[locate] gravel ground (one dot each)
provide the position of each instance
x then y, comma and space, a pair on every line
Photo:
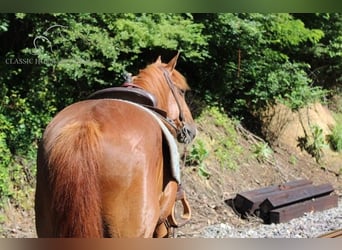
310, 225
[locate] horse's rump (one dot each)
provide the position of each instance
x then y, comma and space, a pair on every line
89, 163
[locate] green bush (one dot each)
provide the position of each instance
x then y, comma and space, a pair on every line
222, 140
198, 153
5, 160
247, 76
17, 173
313, 143
335, 138
262, 152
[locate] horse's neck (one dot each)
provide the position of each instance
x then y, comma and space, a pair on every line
153, 86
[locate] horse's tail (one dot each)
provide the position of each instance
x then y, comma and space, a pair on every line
74, 159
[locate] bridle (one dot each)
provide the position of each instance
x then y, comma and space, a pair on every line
173, 91
182, 132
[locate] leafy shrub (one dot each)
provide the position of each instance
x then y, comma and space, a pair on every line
222, 139
5, 159
335, 139
250, 76
285, 82
197, 154
228, 148
313, 143
17, 172
262, 152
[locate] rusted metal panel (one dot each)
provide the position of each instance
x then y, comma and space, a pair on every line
287, 213
288, 197
248, 202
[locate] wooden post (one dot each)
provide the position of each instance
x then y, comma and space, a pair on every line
248, 202
287, 213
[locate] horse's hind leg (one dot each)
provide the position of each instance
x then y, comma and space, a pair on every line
130, 203
127, 216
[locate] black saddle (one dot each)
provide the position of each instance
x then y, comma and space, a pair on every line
135, 95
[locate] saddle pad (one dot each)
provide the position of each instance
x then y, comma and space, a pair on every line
174, 154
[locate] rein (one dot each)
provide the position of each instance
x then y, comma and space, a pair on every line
183, 134
171, 86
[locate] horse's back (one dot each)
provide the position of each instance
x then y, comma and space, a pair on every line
88, 146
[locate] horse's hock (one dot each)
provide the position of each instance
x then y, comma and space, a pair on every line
281, 125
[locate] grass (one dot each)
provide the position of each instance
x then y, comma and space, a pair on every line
217, 139
293, 160
262, 152
335, 138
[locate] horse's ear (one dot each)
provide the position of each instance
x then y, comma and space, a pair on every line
158, 60
172, 63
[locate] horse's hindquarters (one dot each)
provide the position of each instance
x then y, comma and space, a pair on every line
100, 164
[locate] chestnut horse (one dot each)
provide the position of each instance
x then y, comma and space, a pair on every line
102, 168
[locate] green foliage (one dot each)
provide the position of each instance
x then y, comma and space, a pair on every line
262, 152
325, 57
225, 146
5, 159
291, 32
259, 73
198, 153
227, 153
293, 160
286, 83
313, 143
171, 31
16, 176
335, 138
